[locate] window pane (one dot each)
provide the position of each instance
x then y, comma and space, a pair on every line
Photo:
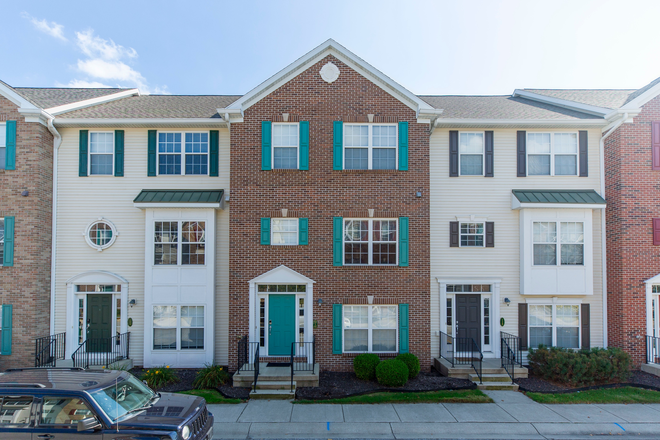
356, 230
100, 234
356, 158
568, 337
384, 136
384, 230
15, 410
197, 142
486, 321
166, 239
568, 315
383, 317
538, 165
101, 143
192, 339
384, 159
566, 143
540, 315
540, 336
545, 254
545, 232
471, 143
572, 232
538, 143
169, 142
356, 340
285, 135
164, 339
197, 164
356, 135
572, 254
169, 164
472, 234
63, 411
164, 316
3, 157
472, 164
356, 317
193, 232
285, 231
285, 158
100, 164
565, 165
383, 340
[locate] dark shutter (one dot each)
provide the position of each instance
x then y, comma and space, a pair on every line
453, 153
586, 332
151, 153
8, 256
337, 321
403, 145
119, 153
521, 152
584, 153
265, 230
337, 235
655, 145
453, 234
10, 145
266, 150
656, 231
6, 329
82, 153
214, 153
403, 241
303, 231
490, 234
337, 145
304, 145
403, 328
522, 325
489, 144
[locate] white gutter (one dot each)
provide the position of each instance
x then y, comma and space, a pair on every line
544, 122
603, 222
57, 141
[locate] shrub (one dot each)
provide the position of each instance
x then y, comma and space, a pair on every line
412, 362
159, 377
365, 365
210, 377
579, 368
392, 373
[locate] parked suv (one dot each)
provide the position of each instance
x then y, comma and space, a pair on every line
81, 404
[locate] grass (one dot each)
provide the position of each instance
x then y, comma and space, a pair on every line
211, 396
461, 396
606, 395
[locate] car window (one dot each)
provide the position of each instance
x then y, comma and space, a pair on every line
63, 411
15, 410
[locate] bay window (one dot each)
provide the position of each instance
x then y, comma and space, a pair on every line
179, 241
370, 328
178, 327
558, 241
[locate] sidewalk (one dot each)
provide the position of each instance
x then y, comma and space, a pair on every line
512, 416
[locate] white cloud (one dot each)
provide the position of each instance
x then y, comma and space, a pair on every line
97, 47
53, 29
81, 83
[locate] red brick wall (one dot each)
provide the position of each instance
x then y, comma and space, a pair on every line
26, 285
320, 194
633, 199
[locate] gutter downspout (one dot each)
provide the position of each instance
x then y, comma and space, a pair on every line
603, 223
57, 141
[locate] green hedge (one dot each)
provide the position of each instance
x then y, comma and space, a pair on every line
412, 362
365, 365
580, 368
392, 373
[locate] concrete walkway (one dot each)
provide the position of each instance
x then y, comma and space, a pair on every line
512, 416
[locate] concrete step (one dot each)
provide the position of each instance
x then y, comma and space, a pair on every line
275, 385
490, 377
497, 386
273, 394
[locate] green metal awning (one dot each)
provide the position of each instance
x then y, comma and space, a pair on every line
555, 198
202, 198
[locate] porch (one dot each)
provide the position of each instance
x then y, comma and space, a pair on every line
92, 353
652, 365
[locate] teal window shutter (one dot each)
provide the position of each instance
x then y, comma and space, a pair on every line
214, 152
303, 231
338, 146
337, 321
119, 153
151, 153
403, 145
403, 328
337, 235
10, 145
304, 145
8, 258
82, 153
6, 329
403, 241
266, 143
265, 230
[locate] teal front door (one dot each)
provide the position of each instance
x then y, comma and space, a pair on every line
281, 324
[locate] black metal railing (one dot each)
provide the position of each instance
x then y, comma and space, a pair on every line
462, 351
48, 350
510, 353
102, 351
248, 358
652, 349
303, 357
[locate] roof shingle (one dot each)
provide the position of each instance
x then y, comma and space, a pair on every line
54, 97
605, 98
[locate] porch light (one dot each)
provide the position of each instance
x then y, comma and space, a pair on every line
370, 299
319, 301
132, 302
507, 301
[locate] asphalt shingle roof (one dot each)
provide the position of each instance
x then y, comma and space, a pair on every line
54, 97
606, 98
577, 196
642, 90
179, 196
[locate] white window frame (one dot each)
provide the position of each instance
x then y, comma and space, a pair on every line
179, 243
266, 296
272, 145
558, 243
3, 144
552, 153
178, 329
460, 233
117, 305
370, 327
370, 147
272, 231
98, 247
554, 321
483, 153
370, 241
90, 154
183, 152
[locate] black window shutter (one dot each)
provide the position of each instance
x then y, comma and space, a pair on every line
453, 234
584, 153
490, 234
586, 332
522, 325
522, 153
453, 153
489, 153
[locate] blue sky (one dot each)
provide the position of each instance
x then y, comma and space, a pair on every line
429, 47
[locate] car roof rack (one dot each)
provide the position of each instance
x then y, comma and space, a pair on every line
55, 368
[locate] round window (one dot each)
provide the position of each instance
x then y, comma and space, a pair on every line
101, 234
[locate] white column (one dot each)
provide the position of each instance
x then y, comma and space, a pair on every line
495, 342
309, 316
649, 309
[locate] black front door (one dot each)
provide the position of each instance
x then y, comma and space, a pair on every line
468, 317
99, 322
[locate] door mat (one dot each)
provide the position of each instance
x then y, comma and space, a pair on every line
278, 364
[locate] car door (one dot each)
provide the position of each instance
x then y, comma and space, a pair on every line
58, 417
16, 417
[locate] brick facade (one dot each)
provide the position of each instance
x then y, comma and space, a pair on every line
26, 285
320, 194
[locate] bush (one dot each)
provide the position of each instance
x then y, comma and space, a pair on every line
365, 365
412, 362
210, 377
159, 377
580, 368
392, 373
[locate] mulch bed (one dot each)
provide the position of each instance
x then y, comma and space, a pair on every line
186, 378
537, 385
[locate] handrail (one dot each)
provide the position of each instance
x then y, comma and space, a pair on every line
248, 358
305, 353
652, 349
256, 367
510, 353
462, 351
102, 351
49, 349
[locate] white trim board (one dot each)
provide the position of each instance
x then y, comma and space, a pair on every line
91, 102
564, 103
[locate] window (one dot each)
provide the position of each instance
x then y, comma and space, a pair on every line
15, 410
264, 290
194, 154
192, 327
486, 321
552, 154
285, 146
450, 327
101, 153
370, 147
370, 329
567, 236
370, 242
554, 326
472, 234
471, 154
463, 288
2, 240
186, 321
3, 146
101, 234
284, 231
183, 241
63, 411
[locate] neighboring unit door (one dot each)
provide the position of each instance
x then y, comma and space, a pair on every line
99, 322
468, 318
281, 324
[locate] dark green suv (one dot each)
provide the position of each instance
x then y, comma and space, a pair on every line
95, 404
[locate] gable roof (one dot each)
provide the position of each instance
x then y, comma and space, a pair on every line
54, 97
605, 98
